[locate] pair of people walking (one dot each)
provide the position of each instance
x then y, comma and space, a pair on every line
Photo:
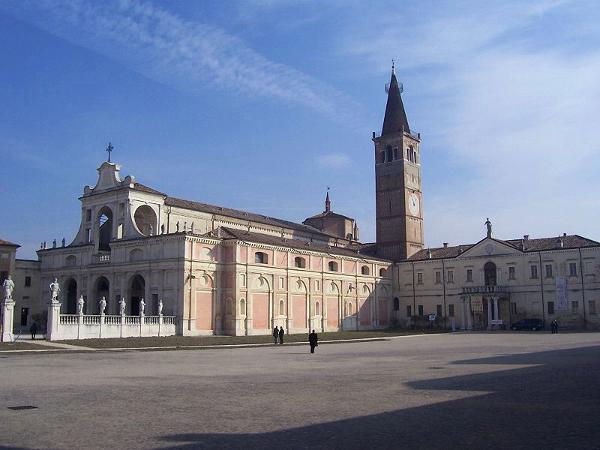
278, 335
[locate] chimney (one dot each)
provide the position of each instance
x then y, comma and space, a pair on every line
526, 237
445, 245
564, 234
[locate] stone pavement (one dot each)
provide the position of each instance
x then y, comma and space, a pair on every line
438, 391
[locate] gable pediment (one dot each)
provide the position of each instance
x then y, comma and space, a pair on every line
490, 247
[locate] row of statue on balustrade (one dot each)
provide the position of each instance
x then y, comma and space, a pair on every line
9, 286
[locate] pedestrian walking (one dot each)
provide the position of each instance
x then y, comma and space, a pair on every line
313, 340
33, 329
281, 333
275, 335
554, 326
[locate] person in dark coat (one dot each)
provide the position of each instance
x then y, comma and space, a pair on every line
313, 341
33, 329
275, 335
281, 333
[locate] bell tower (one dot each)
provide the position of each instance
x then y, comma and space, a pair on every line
399, 207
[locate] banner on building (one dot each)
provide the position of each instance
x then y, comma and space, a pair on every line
561, 294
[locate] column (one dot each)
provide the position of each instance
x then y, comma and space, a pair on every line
489, 313
496, 308
469, 314
52, 332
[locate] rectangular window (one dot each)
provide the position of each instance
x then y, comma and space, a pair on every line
243, 279
154, 303
438, 277
550, 308
120, 231
451, 310
511, 273
24, 316
592, 306
470, 275
534, 273
573, 269
88, 235
281, 282
408, 311
450, 276
317, 285
420, 278
513, 308
574, 307
88, 215
27, 281
421, 310
439, 310
548, 270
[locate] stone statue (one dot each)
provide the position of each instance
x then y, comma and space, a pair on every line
162, 229
177, 226
55, 289
54, 243
142, 307
488, 224
160, 307
9, 286
151, 230
122, 306
63, 242
192, 228
185, 226
80, 304
102, 305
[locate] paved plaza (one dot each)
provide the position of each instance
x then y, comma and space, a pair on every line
500, 390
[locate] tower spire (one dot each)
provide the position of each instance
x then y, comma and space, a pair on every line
395, 117
327, 201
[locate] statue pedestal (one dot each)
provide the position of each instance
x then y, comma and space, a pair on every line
52, 331
8, 309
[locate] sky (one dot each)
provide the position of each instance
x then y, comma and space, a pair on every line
261, 105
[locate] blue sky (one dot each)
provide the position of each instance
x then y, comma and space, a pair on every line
262, 104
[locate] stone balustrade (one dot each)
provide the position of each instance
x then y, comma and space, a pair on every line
90, 326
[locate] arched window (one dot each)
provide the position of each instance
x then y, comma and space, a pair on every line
365, 270
105, 222
396, 304
261, 258
317, 309
145, 220
333, 266
281, 308
299, 262
382, 272
389, 155
242, 307
490, 273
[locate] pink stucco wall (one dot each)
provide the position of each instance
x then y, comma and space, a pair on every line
383, 312
227, 253
299, 311
203, 310
365, 311
316, 263
260, 311
280, 259
349, 267
332, 312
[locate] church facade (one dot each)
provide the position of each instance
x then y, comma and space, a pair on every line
224, 271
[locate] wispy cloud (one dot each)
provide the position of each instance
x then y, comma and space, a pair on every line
511, 103
335, 161
186, 55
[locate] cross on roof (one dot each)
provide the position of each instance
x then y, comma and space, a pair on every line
109, 149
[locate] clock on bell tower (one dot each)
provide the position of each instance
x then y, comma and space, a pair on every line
399, 207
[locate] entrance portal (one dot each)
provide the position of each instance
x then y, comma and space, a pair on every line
136, 293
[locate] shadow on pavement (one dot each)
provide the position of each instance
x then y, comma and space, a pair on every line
552, 405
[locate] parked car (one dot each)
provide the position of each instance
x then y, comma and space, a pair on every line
528, 324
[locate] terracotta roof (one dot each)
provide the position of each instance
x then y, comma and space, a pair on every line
355, 250
242, 215
331, 214
395, 117
530, 245
141, 187
9, 244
